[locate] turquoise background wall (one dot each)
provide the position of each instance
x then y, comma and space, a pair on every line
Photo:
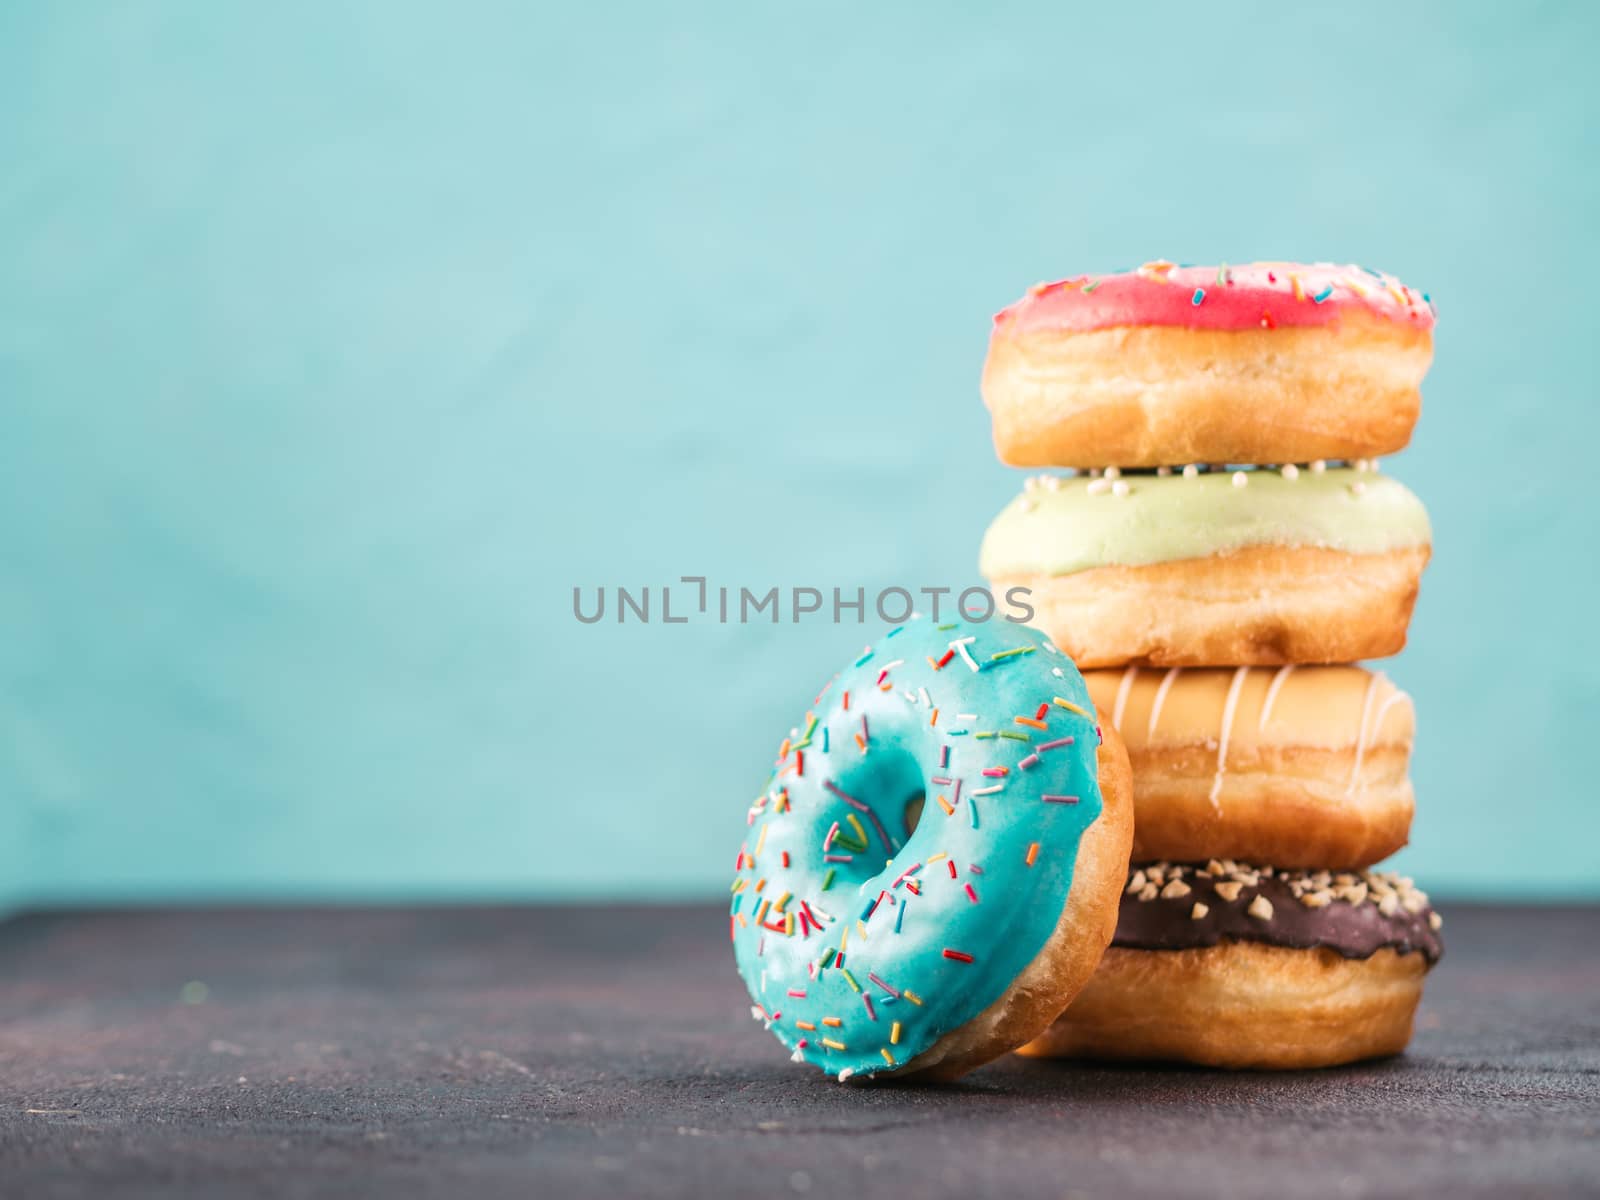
338, 342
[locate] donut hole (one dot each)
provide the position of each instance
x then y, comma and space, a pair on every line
874, 810
913, 812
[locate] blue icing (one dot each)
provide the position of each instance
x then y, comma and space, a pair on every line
824, 778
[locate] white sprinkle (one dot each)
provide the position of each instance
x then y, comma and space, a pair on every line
1240, 479
1163, 471
923, 692
966, 716
1120, 488
1113, 472
988, 791
846, 1073
1291, 472
911, 697
960, 647
1099, 487
797, 1056
1057, 672
1191, 472
1318, 466
756, 1014
899, 662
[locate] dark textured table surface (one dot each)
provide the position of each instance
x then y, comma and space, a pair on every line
609, 1052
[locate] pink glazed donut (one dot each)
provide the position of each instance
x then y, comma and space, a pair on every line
1168, 365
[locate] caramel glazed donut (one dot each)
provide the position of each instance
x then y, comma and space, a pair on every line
1299, 766
1268, 362
1201, 567
1227, 965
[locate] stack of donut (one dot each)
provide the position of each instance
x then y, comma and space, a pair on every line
1224, 552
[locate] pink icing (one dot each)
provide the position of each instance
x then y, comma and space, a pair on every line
1252, 296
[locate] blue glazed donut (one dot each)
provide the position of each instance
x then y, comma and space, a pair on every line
934, 866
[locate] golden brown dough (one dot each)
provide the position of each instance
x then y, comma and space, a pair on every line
1153, 395
1241, 1004
1259, 606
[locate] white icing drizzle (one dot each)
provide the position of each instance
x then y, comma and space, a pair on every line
1272, 694
1228, 708
1397, 697
1123, 690
1161, 698
1361, 738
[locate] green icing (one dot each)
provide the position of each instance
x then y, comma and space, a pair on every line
1060, 530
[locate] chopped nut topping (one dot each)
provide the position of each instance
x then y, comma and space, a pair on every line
1434, 921
1199, 910
1390, 893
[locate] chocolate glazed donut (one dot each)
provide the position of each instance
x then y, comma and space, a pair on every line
1227, 965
